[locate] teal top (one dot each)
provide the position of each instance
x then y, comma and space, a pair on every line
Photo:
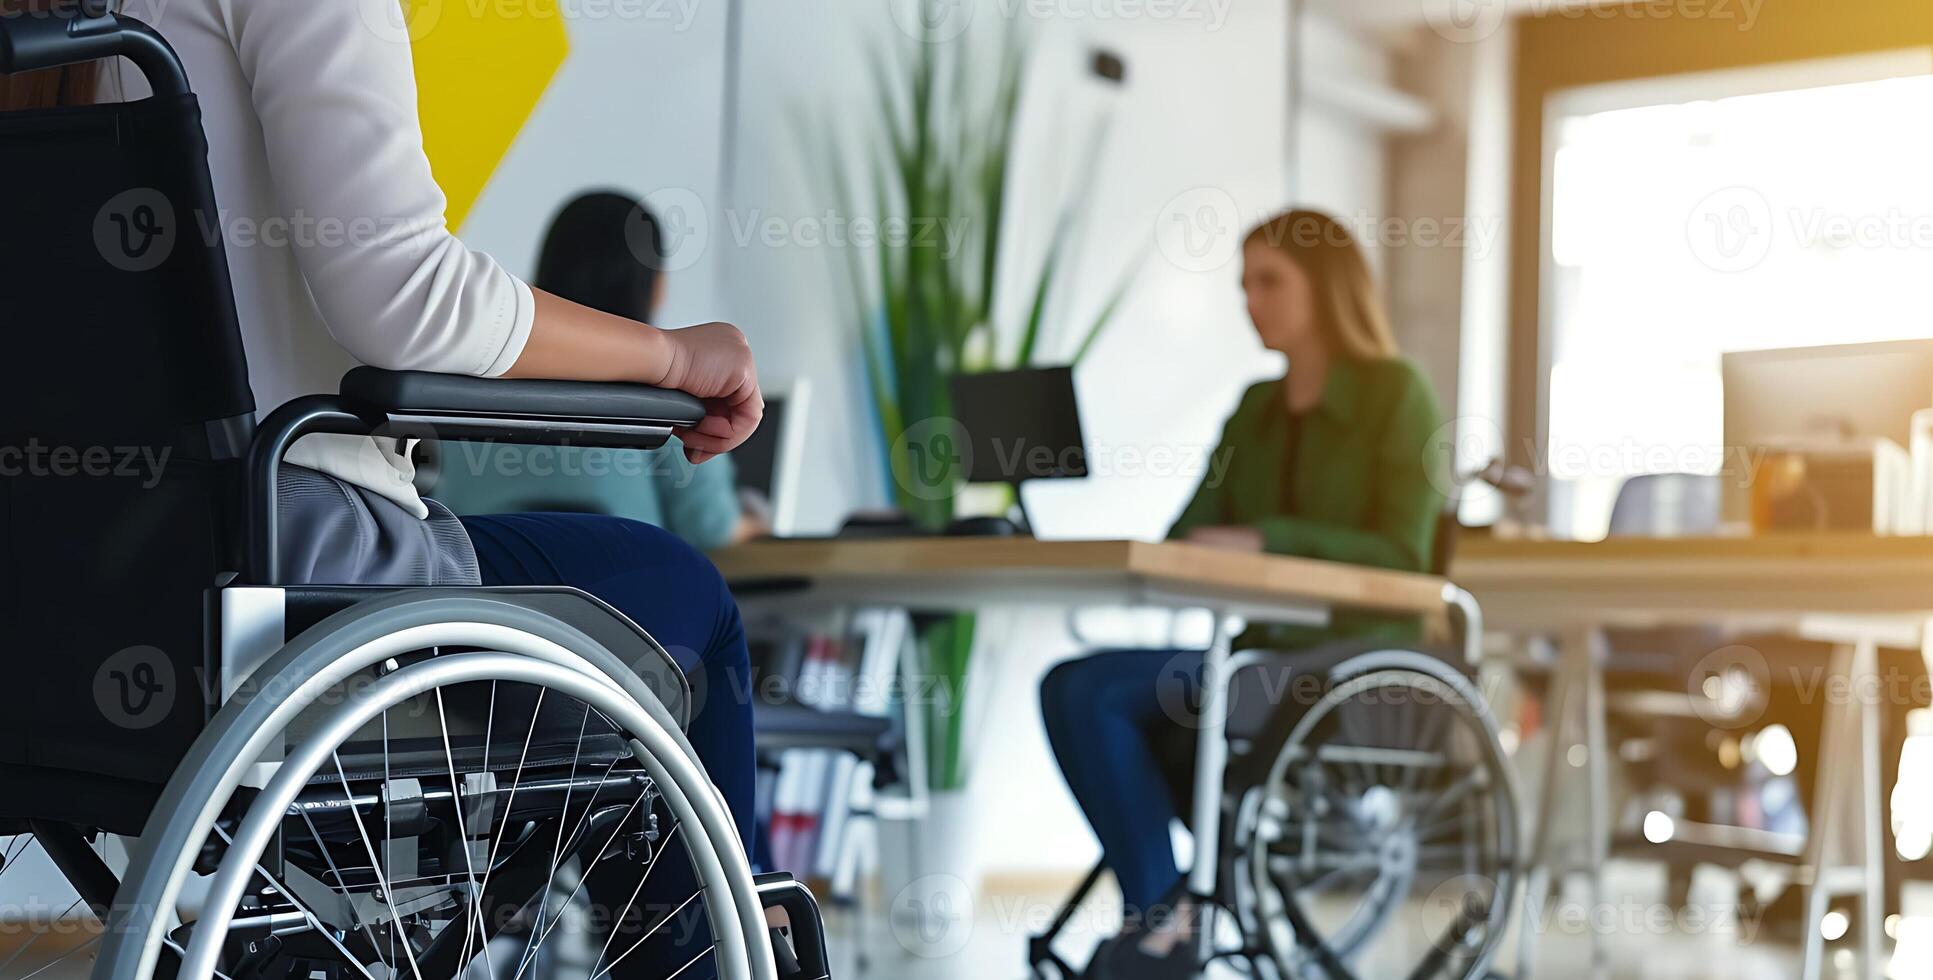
1358, 479
658, 486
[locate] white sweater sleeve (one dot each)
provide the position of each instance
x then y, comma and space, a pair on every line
336, 96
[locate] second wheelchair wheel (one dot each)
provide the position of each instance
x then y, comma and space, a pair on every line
385, 806
1384, 841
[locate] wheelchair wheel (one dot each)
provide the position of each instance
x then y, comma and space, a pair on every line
1384, 841
447, 788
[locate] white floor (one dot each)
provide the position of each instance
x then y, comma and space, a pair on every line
986, 939
1645, 939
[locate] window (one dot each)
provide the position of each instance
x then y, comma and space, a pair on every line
1690, 217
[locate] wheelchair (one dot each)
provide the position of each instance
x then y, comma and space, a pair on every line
324, 782
1360, 816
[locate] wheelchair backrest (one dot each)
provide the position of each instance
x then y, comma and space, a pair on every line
124, 406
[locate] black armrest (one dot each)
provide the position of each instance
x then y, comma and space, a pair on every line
578, 412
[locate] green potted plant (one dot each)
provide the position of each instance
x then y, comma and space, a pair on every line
928, 300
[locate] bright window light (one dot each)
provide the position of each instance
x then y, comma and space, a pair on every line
1681, 232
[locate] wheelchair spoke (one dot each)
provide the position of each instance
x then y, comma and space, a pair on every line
496, 838
635, 892
471, 915
616, 828
315, 922
387, 836
389, 897
56, 961
342, 885
31, 940
668, 916
557, 849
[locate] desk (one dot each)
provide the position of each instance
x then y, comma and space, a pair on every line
1856, 590
961, 574
943, 574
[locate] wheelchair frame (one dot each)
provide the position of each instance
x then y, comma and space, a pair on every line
1205, 886
268, 659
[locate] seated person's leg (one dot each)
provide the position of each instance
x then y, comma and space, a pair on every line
1098, 710
666, 587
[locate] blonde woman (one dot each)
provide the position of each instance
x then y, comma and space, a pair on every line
1330, 461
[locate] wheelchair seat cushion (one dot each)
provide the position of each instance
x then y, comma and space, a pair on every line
336, 533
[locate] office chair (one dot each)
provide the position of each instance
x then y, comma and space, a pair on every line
374, 781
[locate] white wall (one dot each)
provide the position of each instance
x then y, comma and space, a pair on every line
637, 107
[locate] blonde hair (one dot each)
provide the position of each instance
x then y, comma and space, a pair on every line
1348, 311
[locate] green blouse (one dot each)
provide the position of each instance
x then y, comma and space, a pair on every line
1356, 479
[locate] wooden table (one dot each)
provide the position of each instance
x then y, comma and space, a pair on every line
942, 574
1856, 590
960, 574
1530, 583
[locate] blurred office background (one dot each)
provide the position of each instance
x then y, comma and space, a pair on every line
1577, 212
1609, 234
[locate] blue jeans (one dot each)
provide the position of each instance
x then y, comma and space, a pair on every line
673, 592
1098, 710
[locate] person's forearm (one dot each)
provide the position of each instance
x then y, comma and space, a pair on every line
569, 342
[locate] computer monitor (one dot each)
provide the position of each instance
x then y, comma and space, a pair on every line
1020, 425
1811, 395
770, 463
1837, 399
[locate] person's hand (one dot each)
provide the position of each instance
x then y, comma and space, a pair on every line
1227, 538
713, 362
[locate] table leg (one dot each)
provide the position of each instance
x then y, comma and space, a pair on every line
1866, 699
1211, 764
1845, 844
1576, 705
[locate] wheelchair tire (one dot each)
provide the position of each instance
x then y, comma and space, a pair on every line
1365, 789
230, 806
